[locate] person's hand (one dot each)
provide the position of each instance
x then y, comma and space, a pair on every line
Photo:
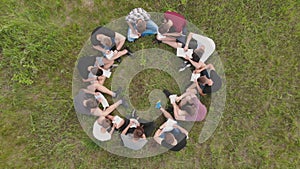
178, 99
107, 52
185, 48
187, 57
83, 80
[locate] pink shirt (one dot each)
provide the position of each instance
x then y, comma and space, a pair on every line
178, 20
200, 113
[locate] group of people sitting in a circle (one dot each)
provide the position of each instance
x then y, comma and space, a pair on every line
185, 107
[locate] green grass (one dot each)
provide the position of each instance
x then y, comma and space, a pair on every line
258, 42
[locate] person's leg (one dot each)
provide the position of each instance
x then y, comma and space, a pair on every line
107, 63
103, 89
112, 107
151, 28
119, 54
172, 43
148, 128
166, 114
101, 80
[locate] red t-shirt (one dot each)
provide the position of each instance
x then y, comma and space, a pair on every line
178, 20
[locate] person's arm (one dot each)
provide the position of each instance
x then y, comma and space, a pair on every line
126, 129
112, 130
156, 136
89, 92
99, 48
199, 89
176, 113
134, 31
182, 130
210, 66
89, 79
182, 96
120, 40
197, 65
188, 41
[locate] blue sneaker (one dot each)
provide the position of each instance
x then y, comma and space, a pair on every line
158, 105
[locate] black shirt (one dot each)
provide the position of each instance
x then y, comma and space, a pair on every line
215, 78
181, 142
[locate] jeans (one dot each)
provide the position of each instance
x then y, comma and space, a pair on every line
151, 29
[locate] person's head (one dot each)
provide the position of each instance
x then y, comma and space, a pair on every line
189, 108
163, 28
96, 71
202, 79
91, 103
138, 132
169, 138
199, 52
105, 40
141, 26
106, 123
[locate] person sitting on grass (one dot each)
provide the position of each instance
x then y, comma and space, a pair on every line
95, 75
170, 134
109, 43
140, 24
187, 107
135, 140
103, 129
208, 82
203, 49
173, 30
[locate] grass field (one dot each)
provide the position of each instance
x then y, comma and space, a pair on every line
258, 42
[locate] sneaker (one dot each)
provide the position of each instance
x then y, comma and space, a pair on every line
166, 92
133, 114
117, 92
183, 68
129, 52
124, 103
158, 105
113, 66
156, 41
118, 60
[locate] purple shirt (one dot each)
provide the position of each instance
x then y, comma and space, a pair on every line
200, 113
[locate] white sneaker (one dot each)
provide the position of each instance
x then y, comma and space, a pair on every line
182, 69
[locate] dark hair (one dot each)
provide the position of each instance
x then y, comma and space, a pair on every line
169, 138
138, 132
198, 52
201, 79
96, 71
105, 123
189, 108
163, 28
90, 103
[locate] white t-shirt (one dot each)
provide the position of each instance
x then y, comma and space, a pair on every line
130, 143
209, 44
100, 135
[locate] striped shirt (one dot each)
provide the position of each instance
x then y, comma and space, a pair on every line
136, 14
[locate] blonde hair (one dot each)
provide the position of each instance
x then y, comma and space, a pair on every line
105, 40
